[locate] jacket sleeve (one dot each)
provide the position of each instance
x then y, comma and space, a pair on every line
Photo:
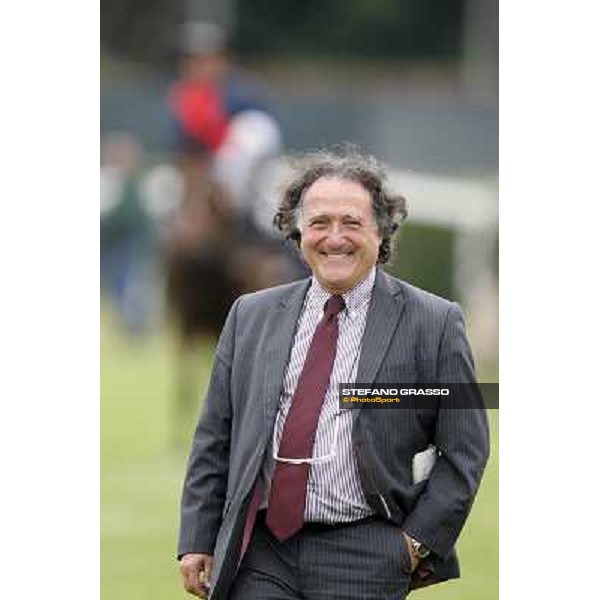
205, 483
462, 439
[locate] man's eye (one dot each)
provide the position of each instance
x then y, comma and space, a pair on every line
353, 224
318, 224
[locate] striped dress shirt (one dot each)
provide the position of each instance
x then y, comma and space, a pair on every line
334, 492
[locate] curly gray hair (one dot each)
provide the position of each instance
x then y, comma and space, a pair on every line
348, 163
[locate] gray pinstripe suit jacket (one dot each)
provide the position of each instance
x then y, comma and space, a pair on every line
411, 336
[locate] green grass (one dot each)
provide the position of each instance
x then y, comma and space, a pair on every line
141, 479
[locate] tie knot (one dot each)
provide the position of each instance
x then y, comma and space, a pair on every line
334, 306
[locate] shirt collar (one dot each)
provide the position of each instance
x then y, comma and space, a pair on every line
355, 298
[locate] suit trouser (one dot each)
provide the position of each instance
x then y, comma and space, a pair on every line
367, 560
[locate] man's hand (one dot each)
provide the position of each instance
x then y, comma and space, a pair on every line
196, 570
414, 559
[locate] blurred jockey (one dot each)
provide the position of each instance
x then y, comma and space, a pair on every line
219, 118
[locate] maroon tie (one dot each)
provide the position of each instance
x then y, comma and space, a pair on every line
285, 513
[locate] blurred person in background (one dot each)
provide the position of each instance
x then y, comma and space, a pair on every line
126, 237
219, 113
285, 495
225, 140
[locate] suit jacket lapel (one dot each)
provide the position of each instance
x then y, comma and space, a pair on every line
385, 310
282, 327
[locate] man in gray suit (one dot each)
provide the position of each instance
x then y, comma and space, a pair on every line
286, 496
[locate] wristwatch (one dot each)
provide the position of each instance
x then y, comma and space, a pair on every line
420, 550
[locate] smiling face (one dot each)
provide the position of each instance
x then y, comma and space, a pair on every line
340, 241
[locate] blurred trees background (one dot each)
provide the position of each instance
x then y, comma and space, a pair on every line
292, 29
339, 28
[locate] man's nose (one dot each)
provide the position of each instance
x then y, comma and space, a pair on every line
335, 239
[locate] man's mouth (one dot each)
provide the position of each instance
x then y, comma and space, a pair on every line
336, 255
